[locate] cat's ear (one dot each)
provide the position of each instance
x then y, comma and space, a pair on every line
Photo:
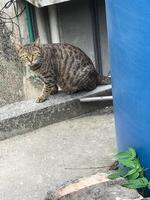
37, 42
18, 47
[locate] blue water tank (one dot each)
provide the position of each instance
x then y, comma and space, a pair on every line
128, 24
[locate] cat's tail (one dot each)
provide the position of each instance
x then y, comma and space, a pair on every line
103, 80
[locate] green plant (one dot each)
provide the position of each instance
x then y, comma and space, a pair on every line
131, 170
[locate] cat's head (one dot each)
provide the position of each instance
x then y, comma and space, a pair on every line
29, 55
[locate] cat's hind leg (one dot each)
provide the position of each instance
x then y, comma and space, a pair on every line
87, 83
47, 90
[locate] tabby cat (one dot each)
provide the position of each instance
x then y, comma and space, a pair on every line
60, 65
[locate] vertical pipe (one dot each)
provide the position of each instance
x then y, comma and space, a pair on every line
53, 21
96, 34
29, 21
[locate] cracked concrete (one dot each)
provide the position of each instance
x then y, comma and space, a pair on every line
32, 164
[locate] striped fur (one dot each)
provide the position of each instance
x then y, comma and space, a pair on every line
60, 65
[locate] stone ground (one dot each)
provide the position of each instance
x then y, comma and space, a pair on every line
34, 163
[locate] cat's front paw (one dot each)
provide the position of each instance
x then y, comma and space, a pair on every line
40, 99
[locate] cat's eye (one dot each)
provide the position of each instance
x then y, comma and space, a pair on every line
25, 57
36, 54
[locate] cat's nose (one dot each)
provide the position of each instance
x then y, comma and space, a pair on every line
30, 59
30, 62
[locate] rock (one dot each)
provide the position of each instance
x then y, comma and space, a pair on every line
96, 187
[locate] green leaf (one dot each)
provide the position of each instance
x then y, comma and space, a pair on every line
132, 171
118, 173
123, 155
133, 176
137, 183
132, 152
127, 163
137, 164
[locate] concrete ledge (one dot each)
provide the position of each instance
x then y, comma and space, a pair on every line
24, 116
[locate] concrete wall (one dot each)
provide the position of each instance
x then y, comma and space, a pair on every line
11, 73
76, 26
21, 22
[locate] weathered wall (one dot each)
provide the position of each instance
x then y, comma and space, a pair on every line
76, 26
11, 82
21, 21
11, 72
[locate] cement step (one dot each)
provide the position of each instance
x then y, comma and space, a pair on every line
25, 116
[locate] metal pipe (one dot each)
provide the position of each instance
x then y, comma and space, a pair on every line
29, 21
53, 21
93, 99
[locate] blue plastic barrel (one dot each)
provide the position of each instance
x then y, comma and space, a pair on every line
128, 23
